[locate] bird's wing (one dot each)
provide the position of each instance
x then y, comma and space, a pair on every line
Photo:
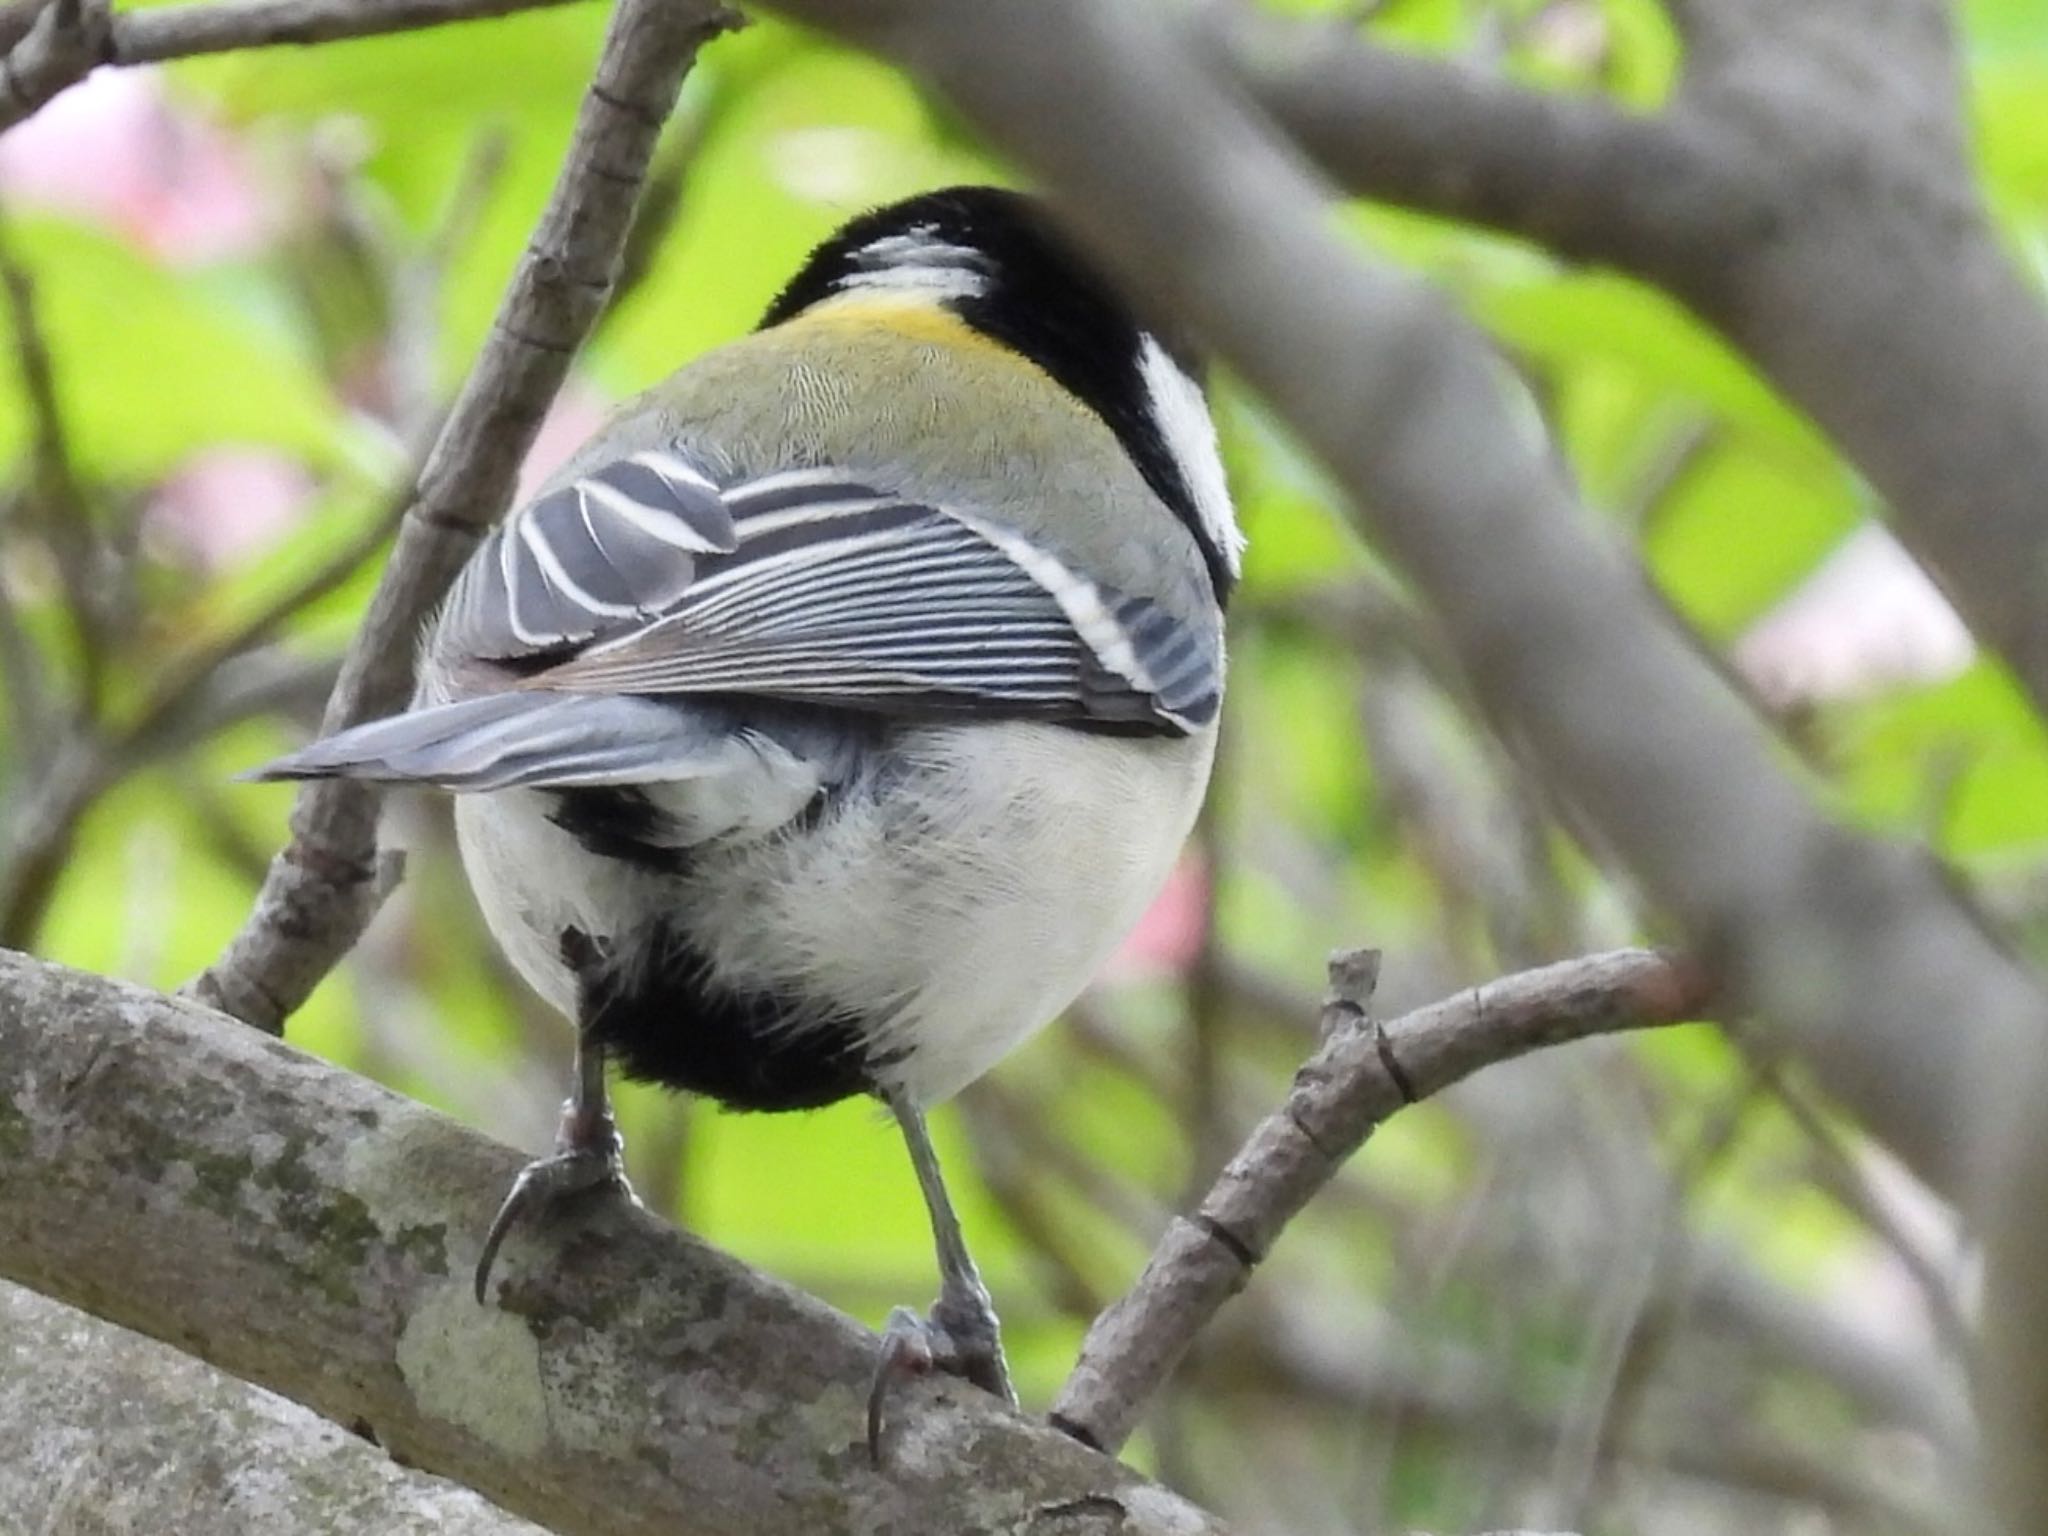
646, 578
567, 741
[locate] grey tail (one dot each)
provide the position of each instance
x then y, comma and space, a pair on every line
506, 740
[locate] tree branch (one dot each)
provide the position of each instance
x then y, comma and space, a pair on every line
311, 1232
324, 886
1643, 193
72, 37
1851, 945
1809, 194
109, 1431
1364, 1072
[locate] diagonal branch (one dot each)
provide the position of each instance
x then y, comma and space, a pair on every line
1810, 194
84, 1404
1574, 173
324, 886
308, 1231
70, 38
1909, 1012
1364, 1072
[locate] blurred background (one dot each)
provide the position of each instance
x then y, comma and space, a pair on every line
1643, 1285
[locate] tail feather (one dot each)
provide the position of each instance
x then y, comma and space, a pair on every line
506, 740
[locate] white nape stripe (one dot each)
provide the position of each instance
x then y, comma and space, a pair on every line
917, 261
933, 282
669, 527
1078, 597
919, 245
559, 578
1182, 417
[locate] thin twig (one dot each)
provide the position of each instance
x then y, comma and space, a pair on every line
323, 887
418, 280
1364, 1073
21, 679
1635, 1319
67, 40
184, 679
57, 500
1839, 1171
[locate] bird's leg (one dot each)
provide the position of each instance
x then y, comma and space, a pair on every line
589, 1152
960, 1334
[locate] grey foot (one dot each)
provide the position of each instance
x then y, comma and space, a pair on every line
961, 1340
547, 1183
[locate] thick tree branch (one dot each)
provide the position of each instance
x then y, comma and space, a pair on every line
1909, 1012
72, 37
109, 1431
1364, 1072
1643, 193
324, 886
306, 1230
1810, 194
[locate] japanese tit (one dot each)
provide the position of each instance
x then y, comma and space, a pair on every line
825, 722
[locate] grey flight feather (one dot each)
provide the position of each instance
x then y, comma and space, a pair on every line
644, 577
531, 738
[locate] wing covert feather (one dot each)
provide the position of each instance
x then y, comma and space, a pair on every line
647, 578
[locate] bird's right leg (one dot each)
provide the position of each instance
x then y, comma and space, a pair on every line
589, 1152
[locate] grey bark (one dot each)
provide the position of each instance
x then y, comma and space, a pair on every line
1910, 1012
325, 885
66, 41
1872, 290
306, 1230
1364, 1072
112, 1434
1809, 193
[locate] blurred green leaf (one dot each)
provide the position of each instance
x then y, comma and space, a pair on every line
1964, 762
1570, 318
151, 366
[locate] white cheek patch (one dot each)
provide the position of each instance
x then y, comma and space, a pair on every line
1182, 417
919, 262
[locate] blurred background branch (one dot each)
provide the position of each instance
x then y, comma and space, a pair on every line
324, 887
1642, 666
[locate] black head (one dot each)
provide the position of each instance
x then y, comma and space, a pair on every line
995, 259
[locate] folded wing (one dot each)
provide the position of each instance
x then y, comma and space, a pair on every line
645, 579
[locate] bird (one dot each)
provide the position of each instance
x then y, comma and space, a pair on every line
821, 726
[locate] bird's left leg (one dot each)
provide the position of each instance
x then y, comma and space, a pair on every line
960, 1335
589, 1152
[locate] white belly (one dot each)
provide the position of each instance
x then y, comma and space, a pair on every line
960, 904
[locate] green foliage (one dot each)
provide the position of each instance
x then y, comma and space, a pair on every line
1727, 494
153, 365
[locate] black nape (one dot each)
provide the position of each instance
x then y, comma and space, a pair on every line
1039, 297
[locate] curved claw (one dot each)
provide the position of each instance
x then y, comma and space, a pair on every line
960, 1340
546, 1183
907, 1351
